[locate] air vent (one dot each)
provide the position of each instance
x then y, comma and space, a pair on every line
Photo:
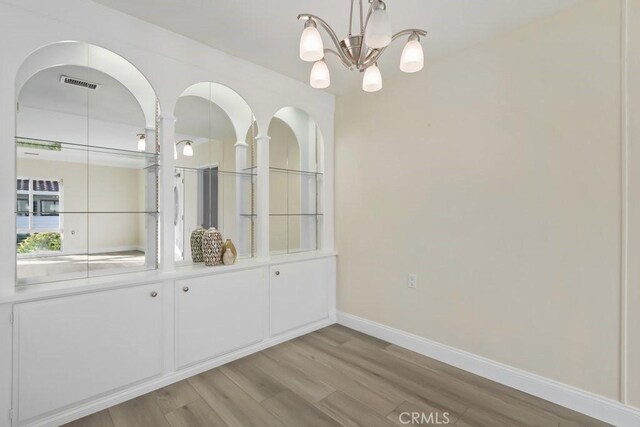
79, 82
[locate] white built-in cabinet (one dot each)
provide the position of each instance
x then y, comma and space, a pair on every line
218, 314
298, 294
73, 352
75, 348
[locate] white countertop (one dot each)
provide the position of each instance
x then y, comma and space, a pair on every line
94, 284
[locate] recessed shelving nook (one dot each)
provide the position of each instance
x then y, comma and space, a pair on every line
296, 182
87, 195
215, 180
120, 150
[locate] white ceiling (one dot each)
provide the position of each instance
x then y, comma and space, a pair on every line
267, 33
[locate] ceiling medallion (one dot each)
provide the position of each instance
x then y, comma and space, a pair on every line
375, 31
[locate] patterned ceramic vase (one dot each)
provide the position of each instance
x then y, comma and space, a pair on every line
196, 244
212, 247
229, 254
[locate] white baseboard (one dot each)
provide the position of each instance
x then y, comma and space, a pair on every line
604, 409
131, 392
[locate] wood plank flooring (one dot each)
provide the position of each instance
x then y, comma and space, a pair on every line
335, 377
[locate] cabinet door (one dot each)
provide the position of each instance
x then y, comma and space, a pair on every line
74, 348
298, 294
219, 314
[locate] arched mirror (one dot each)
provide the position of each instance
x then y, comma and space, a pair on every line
214, 175
295, 182
86, 165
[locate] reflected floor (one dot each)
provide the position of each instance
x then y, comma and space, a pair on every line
48, 265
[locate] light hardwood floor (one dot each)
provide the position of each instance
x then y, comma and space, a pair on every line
335, 376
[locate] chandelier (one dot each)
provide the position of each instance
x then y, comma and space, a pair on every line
359, 51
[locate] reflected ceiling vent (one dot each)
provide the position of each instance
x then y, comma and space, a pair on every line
79, 82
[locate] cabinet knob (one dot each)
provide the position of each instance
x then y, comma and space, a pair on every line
185, 289
277, 273
154, 294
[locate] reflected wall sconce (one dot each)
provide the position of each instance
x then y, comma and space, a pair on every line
186, 151
142, 142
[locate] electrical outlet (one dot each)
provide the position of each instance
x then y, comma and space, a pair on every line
413, 281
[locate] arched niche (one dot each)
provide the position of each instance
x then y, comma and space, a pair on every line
295, 182
214, 177
86, 165
80, 54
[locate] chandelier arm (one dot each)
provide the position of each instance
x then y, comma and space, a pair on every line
329, 30
348, 65
377, 53
363, 27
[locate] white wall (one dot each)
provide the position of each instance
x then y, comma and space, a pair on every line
495, 175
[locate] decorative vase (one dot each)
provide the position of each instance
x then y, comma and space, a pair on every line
228, 258
196, 244
212, 247
229, 254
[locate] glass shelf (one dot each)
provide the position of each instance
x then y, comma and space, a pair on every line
27, 213
296, 214
216, 172
285, 214
61, 146
91, 156
293, 171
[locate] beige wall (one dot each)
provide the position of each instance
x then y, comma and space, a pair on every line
495, 175
633, 294
112, 189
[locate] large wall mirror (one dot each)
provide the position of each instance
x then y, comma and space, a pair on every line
295, 182
86, 165
215, 168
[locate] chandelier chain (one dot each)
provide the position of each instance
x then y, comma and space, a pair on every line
351, 19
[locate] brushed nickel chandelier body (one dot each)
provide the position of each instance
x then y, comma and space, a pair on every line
359, 51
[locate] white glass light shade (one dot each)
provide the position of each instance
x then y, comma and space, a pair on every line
311, 47
378, 32
142, 143
175, 152
188, 149
412, 59
320, 77
372, 80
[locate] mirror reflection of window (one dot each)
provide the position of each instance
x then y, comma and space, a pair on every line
86, 181
214, 176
